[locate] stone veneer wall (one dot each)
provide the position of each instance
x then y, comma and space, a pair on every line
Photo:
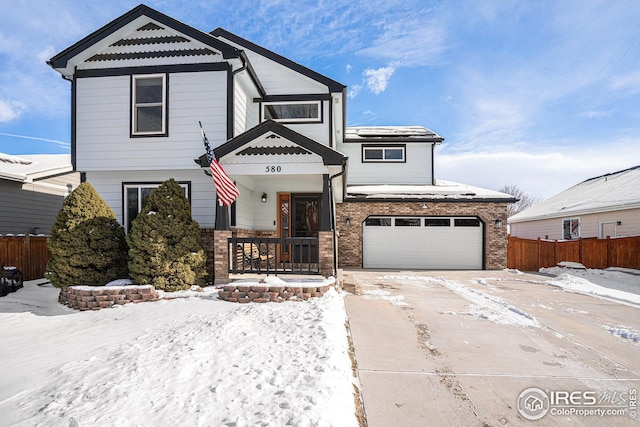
350, 238
81, 298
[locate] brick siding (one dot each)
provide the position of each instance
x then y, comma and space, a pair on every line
350, 237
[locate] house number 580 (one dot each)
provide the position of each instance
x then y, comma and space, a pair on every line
273, 169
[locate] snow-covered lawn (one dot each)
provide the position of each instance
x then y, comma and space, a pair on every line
193, 361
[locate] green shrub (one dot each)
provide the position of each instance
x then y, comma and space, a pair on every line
87, 244
164, 242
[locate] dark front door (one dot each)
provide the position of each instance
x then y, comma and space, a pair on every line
305, 222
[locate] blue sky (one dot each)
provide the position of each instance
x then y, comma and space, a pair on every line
540, 94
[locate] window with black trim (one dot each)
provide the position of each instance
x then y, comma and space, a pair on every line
377, 153
437, 222
292, 111
378, 222
408, 222
466, 222
149, 105
135, 196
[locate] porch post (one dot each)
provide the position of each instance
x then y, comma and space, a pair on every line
222, 216
221, 232
325, 205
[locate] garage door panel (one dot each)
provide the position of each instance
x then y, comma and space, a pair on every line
434, 247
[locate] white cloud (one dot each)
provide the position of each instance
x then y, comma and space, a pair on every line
377, 79
349, 67
354, 91
595, 114
10, 110
409, 42
537, 173
62, 144
627, 82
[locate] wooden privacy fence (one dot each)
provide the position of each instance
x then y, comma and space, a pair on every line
531, 255
29, 253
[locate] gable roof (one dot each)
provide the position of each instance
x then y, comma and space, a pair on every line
61, 60
333, 85
32, 167
610, 192
307, 145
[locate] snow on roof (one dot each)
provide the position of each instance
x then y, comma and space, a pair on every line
387, 133
614, 191
27, 167
442, 190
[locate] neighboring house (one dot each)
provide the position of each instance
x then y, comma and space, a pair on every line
607, 205
141, 84
32, 189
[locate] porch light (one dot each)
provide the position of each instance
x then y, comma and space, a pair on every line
498, 223
618, 222
347, 222
264, 197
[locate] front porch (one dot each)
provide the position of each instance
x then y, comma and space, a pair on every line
238, 254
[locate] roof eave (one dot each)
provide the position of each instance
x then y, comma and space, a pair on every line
60, 61
333, 85
572, 213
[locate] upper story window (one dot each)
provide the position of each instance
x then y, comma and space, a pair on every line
149, 105
379, 153
292, 111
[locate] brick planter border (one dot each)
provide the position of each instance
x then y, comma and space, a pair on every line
262, 293
85, 298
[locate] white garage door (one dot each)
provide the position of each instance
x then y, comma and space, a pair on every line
422, 243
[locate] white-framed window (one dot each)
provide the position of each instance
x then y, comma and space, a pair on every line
571, 228
292, 111
149, 105
135, 195
379, 153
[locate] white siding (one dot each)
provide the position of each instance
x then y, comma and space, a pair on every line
416, 170
103, 123
280, 80
253, 214
109, 186
589, 225
245, 113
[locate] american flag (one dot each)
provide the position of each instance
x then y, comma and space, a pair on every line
226, 189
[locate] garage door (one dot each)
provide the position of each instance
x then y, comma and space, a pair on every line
422, 243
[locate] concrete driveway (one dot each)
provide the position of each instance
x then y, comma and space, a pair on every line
459, 348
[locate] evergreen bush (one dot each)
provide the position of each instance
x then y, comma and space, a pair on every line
86, 242
164, 242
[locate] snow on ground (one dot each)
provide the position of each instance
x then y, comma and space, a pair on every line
483, 304
188, 361
621, 285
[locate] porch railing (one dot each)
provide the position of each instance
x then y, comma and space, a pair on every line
269, 255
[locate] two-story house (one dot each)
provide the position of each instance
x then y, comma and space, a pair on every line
313, 192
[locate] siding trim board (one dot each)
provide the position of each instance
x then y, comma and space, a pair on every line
153, 69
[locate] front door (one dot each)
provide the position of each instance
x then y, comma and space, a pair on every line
299, 217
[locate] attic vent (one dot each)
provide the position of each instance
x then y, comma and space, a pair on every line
150, 40
260, 151
139, 55
272, 136
150, 26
